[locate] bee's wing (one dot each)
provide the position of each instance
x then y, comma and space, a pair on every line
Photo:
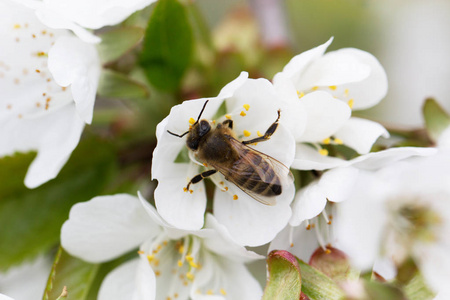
252, 175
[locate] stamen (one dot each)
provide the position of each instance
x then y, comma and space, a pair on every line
308, 226
326, 141
332, 87
228, 117
350, 103
235, 197
140, 252
181, 249
223, 292
259, 133
246, 106
300, 94
180, 263
185, 189
17, 26
243, 114
323, 152
209, 292
291, 233
190, 276
191, 121
325, 217
320, 239
315, 88
338, 141
150, 257
346, 92
247, 133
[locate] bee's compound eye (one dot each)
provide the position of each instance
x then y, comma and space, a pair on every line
204, 128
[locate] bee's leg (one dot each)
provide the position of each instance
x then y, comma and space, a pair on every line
228, 123
199, 177
266, 135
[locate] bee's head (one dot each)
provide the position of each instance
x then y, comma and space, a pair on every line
196, 133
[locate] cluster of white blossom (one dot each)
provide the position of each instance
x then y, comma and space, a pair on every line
379, 208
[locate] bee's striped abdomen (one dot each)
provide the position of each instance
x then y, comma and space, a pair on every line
254, 173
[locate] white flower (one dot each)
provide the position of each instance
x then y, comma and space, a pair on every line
4, 297
329, 86
400, 211
48, 82
26, 281
251, 104
309, 226
176, 263
82, 14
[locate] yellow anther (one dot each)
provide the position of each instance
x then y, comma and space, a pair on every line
315, 88
150, 257
228, 117
327, 251
259, 133
350, 103
158, 247
222, 291
214, 122
243, 113
247, 133
157, 273
190, 276
181, 249
323, 152
338, 141
17, 26
205, 164
175, 295
300, 95
191, 191
156, 262
141, 252
326, 141
185, 189
168, 298
185, 283
226, 188
180, 263
191, 121
221, 183
193, 264
189, 257
165, 243
246, 106
235, 197
332, 87
292, 245
346, 92
209, 292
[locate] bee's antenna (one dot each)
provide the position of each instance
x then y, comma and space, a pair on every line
201, 112
178, 135
198, 119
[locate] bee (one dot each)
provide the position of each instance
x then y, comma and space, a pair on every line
259, 175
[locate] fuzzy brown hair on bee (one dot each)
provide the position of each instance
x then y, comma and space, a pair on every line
257, 174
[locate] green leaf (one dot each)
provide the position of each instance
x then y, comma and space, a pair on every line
31, 219
70, 274
117, 85
168, 45
318, 286
378, 290
118, 41
284, 277
436, 119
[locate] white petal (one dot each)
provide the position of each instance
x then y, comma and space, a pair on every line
222, 276
326, 115
249, 222
172, 232
181, 209
308, 158
294, 115
55, 20
73, 62
304, 242
55, 136
371, 90
334, 68
338, 183
230, 88
96, 14
28, 280
359, 224
386, 268
361, 134
106, 227
132, 280
308, 203
296, 66
221, 242
376, 160
4, 297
